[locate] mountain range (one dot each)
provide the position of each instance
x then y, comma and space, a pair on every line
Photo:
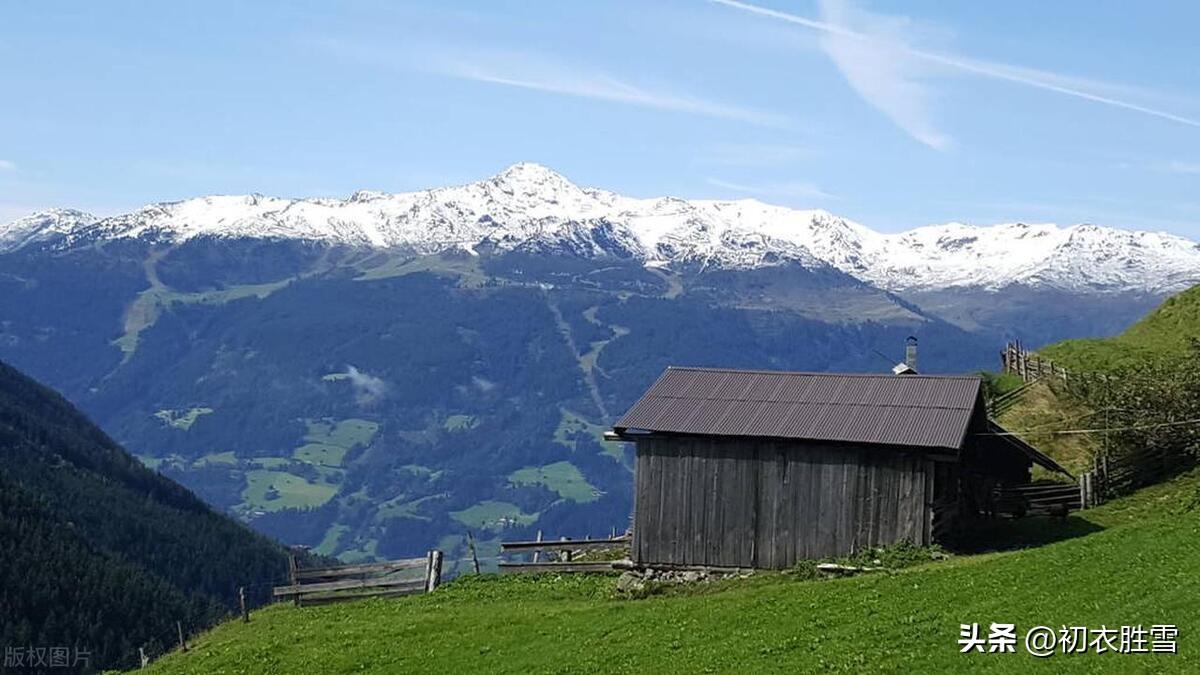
387, 373
530, 207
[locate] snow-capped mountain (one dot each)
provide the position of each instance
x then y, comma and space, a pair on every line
531, 207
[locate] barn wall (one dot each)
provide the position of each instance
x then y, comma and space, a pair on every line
757, 503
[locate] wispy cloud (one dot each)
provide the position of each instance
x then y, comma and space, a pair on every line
882, 70
793, 189
1177, 166
874, 53
535, 72
368, 389
6, 165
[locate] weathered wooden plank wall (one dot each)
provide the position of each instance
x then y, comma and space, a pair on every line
760, 503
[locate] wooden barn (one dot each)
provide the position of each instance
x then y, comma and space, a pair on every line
761, 469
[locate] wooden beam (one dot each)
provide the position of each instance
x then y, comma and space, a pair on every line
518, 568
576, 545
385, 582
312, 600
353, 570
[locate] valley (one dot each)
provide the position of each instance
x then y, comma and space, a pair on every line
429, 365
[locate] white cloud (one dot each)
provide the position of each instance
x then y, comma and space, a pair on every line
882, 70
536, 73
874, 54
793, 189
1183, 167
368, 389
6, 165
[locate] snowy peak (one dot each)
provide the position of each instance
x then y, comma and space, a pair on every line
530, 207
42, 226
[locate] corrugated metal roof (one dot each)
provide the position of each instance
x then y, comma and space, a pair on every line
914, 410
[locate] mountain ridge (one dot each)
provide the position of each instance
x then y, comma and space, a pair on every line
528, 206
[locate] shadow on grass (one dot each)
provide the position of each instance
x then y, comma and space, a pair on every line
1007, 534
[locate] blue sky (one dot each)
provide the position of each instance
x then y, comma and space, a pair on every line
894, 114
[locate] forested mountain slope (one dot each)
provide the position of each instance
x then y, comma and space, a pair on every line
98, 553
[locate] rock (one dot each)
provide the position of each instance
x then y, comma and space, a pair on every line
630, 582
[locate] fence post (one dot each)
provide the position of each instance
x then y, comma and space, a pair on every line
433, 570
537, 555
474, 555
1082, 491
182, 643
242, 604
145, 660
292, 566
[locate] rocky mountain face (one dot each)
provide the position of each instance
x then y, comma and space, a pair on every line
383, 374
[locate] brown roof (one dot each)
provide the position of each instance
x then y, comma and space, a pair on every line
913, 410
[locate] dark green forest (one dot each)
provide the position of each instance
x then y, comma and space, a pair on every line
99, 554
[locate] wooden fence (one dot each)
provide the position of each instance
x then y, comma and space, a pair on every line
1038, 499
1029, 366
323, 585
999, 405
1108, 477
562, 553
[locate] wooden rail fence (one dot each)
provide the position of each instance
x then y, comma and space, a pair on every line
1038, 499
323, 585
1029, 366
565, 550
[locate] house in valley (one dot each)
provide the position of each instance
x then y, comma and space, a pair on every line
740, 468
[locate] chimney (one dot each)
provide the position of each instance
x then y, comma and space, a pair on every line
909, 365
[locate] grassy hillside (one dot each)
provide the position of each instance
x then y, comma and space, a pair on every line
1163, 333
1042, 411
98, 552
1131, 561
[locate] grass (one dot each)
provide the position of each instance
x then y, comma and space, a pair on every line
1041, 411
276, 490
365, 552
493, 515
561, 477
182, 419
321, 454
329, 542
150, 304
222, 458
396, 508
328, 442
1162, 334
588, 360
1138, 570
572, 423
466, 268
345, 433
422, 470
460, 423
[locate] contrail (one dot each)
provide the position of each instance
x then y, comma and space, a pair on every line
999, 71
